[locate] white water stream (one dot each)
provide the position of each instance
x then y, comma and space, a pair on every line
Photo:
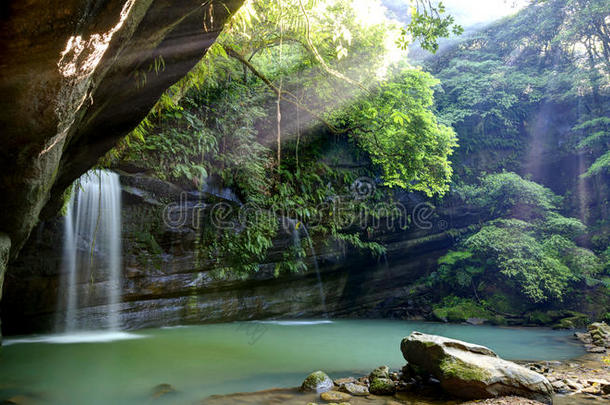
92, 252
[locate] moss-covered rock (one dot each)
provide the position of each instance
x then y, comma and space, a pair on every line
471, 371
599, 327
335, 396
575, 320
455, 368
382, 386
380, 372
599, 334
318, 381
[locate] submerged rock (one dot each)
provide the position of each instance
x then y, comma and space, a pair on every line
335, 396
471, 371
162, 390
318, 381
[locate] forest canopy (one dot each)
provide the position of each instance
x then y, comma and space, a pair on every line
299, 100
285, 80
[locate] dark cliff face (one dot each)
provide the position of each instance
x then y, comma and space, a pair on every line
71, 80
164, 281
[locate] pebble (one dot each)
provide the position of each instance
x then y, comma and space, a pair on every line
573, 384
340, 381
356, 389
335, 396
593, 390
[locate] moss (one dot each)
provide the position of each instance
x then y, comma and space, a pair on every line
455, 309
316, 380
455, 368
576, 320
380, 372
564, 324
147, 241
66, 196
382, 386
498, 320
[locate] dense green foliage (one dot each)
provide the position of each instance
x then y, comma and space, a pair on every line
283, 84
537, 81
300, 98
523, 75
532, 252
402, 135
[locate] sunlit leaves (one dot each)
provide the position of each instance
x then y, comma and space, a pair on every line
400, 132
428, 24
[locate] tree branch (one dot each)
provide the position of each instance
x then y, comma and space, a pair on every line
310, 46
282, 95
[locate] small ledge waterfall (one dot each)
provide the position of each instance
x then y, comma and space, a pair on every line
91, 264
294, 226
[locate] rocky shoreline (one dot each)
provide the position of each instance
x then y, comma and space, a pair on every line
480, 377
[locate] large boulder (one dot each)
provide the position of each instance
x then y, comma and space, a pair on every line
470, 371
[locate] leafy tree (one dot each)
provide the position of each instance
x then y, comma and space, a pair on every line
532, 251
399, 130
508, 194
428, 24
499, 80
284, 81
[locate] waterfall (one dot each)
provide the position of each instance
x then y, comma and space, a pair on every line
297, 243
92, 252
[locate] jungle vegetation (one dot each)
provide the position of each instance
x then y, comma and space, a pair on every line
299, 99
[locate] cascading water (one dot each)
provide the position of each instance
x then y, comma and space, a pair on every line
92, 252
296, 226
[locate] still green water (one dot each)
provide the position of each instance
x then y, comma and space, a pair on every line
122, 368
